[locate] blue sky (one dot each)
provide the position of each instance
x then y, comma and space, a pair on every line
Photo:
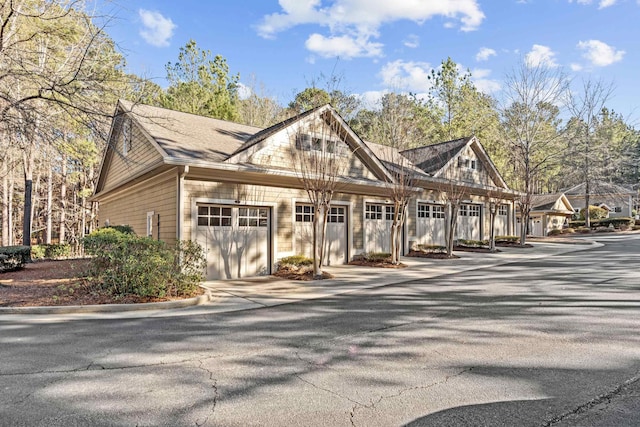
382, 45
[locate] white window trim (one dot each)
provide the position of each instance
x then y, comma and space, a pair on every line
150, 225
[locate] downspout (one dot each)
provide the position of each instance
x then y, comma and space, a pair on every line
180, 208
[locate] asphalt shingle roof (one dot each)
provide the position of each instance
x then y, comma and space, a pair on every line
432, 158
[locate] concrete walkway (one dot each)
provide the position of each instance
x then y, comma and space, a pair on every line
259, 292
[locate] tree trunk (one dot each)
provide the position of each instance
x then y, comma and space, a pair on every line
5, 204
12, 184
63, 198
493, 210
451, 231
587, 217
49, 205
28, 193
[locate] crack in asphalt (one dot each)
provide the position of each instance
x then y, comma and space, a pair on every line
603, 398
92, 366
372, 404
335, 393
216, 395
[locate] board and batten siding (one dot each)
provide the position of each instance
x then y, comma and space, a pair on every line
138, 157
130, 206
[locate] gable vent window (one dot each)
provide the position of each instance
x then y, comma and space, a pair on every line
467, 163
308, 142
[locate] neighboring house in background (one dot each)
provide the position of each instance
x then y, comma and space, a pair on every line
548, 212
235, 188
618, 199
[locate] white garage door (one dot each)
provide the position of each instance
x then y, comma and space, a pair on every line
235, 239
468, 227
336, 247
378, 219
431, 224
502, 221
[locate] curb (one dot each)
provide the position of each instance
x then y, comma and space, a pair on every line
108, 308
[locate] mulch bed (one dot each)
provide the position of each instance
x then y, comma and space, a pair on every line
376, 264
474, 249
432, 255
513, 245
307, 275
57, 283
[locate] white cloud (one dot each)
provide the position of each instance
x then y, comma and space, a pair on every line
361, 20
541, 56
576, 67
342, 46
599, 53
485, 53
411, 76
606, 3
412, 41
157, 29
601, 4
483, 83
244, 91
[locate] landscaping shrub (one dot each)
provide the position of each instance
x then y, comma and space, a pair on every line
472, 243
37, 252
577, 223
507, 239
595, 212
554, 232
583, 229
14, 257
618, 223
569, 230
296, 261
377, 256
55, 251
126, 229
124, 264
434, 249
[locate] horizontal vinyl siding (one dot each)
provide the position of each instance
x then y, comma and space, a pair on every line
140, 156
131, 206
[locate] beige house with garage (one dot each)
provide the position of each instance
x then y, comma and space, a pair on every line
548, 212
237, 189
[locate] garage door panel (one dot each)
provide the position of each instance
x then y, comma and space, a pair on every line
431, 224
336, 247
236, 240
469, 222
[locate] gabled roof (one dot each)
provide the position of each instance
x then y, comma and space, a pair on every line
184, 136
599, 188
265, 133
433, 158
547, 203
393, 159
358, 147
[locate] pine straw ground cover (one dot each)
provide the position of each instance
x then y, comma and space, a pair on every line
55, 283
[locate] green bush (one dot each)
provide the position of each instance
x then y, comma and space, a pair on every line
432, 248
126, 264
296, 260
377, 256
14, 257
472, 243
595, 212
37, 252
126, 229
55, 251
507, 239
618, 223
577, 223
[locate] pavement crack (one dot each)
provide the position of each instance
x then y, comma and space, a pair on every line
603, 398
326, 390
373, 404
216, 395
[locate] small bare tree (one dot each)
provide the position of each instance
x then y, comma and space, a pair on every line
530, 121
586, 106
321, 157
453, 194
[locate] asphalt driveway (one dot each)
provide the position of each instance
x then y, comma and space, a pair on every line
551, 341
